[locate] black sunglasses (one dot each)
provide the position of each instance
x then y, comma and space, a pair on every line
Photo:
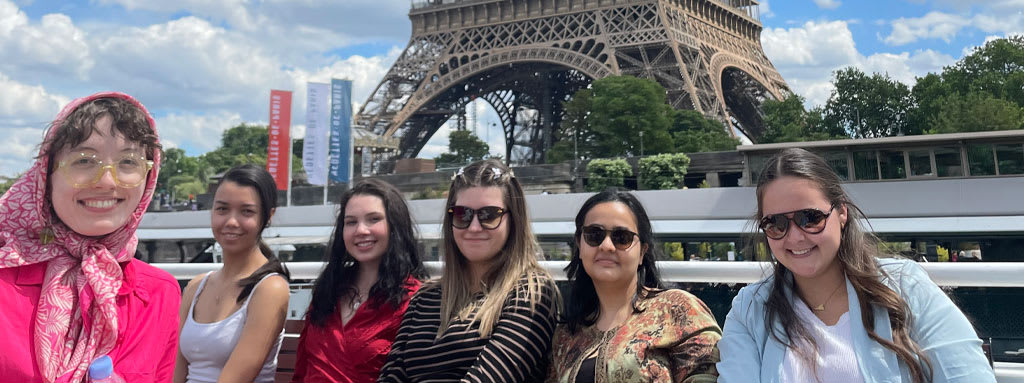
810, 221
593, 235
489, 216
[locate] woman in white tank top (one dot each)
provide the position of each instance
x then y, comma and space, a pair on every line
232, 319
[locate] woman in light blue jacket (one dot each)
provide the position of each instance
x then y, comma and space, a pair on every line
833, 311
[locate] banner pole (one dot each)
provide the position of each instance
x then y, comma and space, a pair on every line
288, 194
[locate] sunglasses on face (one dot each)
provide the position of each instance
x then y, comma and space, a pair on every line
594, 235
810, 221
489, 216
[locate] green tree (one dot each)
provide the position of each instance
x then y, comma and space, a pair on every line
8, 182
992, 72
675, 251
604, 173
975, 112
245, 144
787, 121
176, 167
868, 106
463, 147
663, 171
928, 95
693, 133
607, 119
996, 68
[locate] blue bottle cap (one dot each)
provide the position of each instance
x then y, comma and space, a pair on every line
101, 368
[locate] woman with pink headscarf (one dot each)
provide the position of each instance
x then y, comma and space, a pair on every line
72, 289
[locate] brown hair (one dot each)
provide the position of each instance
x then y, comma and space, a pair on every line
517, 259
857, 255
129, 121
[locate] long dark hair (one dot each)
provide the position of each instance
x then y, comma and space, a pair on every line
259, 179
857, 255
586, 306
401, 259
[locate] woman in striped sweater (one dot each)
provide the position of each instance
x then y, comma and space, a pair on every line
491, 316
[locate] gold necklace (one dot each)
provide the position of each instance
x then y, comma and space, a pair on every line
821, 307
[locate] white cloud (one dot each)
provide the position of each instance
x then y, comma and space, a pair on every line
933, 25
806, 56
766, 10
1004, 17
828, 4
188, 63
200, 133
820, 45
26, 105
20, 148
52, 47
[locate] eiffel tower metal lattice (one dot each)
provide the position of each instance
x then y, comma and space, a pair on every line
525, 57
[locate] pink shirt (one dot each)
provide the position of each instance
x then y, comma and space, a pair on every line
147, 317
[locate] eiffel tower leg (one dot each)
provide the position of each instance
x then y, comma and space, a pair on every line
705, 53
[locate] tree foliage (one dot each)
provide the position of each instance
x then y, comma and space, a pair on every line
242, 144
463, 147
787, 121
982, 91
996, 68
868, 106
693, 133
974, 112
605, 173
607, 119
8, 182
663, 171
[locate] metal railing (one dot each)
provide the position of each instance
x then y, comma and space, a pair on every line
980, 274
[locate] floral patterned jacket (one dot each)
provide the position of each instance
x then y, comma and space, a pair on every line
672, 339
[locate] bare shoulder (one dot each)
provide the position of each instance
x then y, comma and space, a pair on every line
274, 288
193, 286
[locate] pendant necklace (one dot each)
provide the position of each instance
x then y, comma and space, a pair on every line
821, 307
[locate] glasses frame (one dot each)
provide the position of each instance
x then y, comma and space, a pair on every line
634, 237
476, 216
104, 165
790, 221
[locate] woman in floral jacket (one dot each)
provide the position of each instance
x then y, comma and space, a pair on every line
623, 326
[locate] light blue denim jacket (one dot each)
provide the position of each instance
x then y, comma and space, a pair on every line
750, 354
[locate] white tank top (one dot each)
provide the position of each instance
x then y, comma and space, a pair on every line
207, 346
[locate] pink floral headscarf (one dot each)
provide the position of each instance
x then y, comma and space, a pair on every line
76, 319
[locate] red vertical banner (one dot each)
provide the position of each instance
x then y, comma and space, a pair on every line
278, 156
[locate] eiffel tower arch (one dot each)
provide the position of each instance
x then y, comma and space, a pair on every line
526, 57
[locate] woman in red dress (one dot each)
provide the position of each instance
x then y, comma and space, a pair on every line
359, 299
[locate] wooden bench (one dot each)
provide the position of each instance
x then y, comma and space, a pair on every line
286, 356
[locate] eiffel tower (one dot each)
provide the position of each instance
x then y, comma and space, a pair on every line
525, 57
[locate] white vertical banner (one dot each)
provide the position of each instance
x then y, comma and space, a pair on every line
316, 143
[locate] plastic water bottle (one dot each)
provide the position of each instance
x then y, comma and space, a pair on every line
102, 371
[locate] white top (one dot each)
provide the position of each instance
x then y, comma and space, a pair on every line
207, 346
836, 360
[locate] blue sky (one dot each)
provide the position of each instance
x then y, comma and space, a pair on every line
203, 66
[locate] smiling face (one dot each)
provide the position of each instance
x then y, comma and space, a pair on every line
477, 244
103, 207
808, 256
365, 230
604, 263
235, 218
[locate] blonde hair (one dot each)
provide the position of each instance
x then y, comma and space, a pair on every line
516, 260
